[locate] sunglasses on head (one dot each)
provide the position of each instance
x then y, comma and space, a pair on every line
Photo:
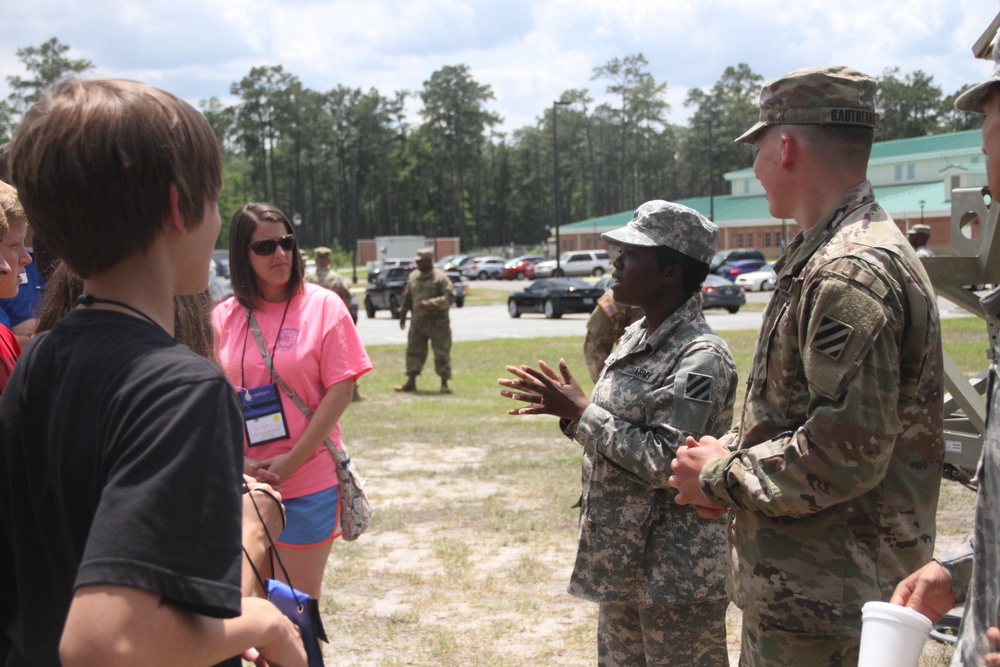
266, 247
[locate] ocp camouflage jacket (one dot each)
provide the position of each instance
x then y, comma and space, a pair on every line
833, 480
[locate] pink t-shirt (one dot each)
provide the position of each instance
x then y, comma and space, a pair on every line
318, 347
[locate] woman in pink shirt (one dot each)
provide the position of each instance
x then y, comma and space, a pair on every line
315, 349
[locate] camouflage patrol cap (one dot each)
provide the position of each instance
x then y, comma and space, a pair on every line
972, 99
664, 223
424, 253
321, 251
828, 95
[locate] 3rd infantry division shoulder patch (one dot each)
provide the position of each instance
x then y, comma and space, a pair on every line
698, 387
831, 337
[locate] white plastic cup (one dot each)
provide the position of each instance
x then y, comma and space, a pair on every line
892, 636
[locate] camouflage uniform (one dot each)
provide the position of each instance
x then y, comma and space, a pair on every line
640, 555
973, 568
428, 324
330, 279
606, 325
326, 277
835, 467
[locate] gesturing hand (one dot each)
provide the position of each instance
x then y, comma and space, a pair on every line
548, 392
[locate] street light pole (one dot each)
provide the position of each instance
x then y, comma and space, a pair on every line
922, 202
555, 179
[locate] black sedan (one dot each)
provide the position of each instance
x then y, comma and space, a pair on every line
717, 292
554, 296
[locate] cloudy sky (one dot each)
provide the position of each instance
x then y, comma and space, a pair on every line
528, 51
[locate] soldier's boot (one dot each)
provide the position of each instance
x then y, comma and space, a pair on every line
445, 389
411, 384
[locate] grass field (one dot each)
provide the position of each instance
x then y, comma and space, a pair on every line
474, 533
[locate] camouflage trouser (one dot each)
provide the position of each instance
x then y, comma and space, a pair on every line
438, 333
687, 635
766, 645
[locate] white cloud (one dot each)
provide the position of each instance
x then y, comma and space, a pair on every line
529, 52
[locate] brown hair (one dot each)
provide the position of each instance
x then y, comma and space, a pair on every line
192, 313
241, 275
94, 161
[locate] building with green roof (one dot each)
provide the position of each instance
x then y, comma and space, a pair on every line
913, 180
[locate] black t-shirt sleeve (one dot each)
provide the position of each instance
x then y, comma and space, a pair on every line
168, 520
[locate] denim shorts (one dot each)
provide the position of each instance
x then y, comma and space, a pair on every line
311, 520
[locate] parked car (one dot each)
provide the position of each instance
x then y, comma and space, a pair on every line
729, 270
219, 285
575, 263
221, 258
386, 292
455, 262
717, 292
516, 269
482, 268
604, 283
554, 296
761, 280
391, 263
460, 287
733, 255
440, 263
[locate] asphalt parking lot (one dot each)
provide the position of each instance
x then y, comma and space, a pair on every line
489, 321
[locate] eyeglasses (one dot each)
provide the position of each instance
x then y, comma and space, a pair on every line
266, 247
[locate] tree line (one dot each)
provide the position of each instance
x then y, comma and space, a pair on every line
350, 163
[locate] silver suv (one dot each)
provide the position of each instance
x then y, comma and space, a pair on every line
576, 263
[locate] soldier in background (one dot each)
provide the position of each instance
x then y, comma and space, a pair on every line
831, 479
606, 325
325, 276
656, 569
918, 236
429, 294
972, 572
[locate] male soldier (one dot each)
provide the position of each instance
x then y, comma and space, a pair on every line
972, 573
326, 277
832, 475
429, 294
918, 236
606, 325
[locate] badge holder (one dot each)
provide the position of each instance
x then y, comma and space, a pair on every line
263, 417
300, 608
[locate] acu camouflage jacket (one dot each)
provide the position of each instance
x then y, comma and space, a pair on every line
636, 544
975, 568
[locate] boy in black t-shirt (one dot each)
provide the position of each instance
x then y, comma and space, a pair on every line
120, 450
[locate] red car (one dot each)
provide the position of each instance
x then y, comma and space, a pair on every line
517, 268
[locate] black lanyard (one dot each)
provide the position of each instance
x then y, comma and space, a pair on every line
90, 300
